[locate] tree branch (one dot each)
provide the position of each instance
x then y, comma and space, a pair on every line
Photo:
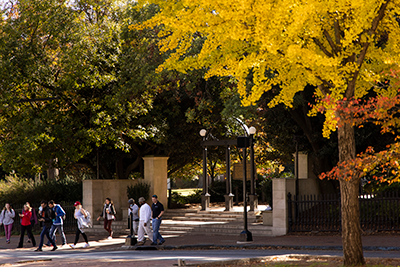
375, 23
322, 47
331, 43
337, 33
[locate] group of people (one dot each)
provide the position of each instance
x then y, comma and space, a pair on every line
141, 215
52, 217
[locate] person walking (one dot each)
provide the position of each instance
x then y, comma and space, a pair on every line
134, 210
34, 220
144, 222
157, 211
108, 213
7, 219
80, 215
47, 216
26, 225
57, 223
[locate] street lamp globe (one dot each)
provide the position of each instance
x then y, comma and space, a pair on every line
252, 130
203, 132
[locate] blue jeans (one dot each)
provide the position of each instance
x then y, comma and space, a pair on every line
156, 228
46, 232
53, 231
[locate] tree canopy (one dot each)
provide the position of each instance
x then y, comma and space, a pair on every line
77, 83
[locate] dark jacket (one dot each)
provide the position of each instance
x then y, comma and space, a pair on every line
48, 215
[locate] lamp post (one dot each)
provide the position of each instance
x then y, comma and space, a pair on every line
205, 196
243, 143
253, 195
229, 195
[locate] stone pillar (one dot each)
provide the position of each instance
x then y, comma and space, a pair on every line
228, 202
303, 165
280, 188
156, 174
253, 199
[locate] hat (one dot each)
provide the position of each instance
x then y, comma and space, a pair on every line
77, 203
131, 201
154, 196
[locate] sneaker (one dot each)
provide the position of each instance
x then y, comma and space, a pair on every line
162, 242
38, 249
55, 248
153, 244
109, 238
72, 246
8, 241
140, 243
28, 241
86, 245
19, 247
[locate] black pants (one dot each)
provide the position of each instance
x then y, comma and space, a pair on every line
77, 236
28, 229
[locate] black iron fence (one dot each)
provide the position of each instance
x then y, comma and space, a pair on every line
378, 212
69, 222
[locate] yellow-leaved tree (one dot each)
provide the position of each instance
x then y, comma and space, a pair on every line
341, 47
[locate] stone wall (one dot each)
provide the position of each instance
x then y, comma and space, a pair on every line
96, 191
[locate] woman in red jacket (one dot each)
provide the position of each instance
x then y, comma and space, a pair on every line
26, 225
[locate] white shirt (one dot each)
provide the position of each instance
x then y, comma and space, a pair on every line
145, 213
133, 209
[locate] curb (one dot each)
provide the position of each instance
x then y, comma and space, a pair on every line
272, 247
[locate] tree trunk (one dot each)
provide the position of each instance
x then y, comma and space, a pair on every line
351, 231
52, 173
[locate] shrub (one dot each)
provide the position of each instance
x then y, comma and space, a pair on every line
18, 190
190, 199
140, 189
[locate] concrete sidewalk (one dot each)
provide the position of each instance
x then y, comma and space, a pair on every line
98, 242
190, 241
372, 242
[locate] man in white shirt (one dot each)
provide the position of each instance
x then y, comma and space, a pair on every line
134, 210
144, 222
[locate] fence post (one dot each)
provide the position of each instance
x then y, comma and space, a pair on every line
290, 211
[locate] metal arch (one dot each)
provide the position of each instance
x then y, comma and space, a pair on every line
244, 126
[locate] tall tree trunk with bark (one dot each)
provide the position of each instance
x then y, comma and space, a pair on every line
349, 190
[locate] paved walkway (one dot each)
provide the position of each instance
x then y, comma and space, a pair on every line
99, 244
379, 242
289, 240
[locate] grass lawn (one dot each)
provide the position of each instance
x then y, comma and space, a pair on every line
186, 191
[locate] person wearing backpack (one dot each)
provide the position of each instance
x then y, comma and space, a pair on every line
82, 217
47, 216
57, 223
7, 219
108, 213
